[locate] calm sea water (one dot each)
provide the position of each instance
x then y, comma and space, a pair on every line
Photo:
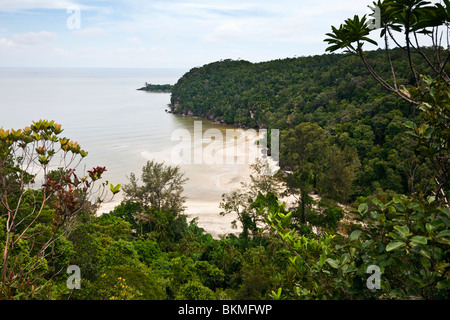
121, 128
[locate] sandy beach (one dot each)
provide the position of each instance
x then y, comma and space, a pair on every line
209, 218
204, 192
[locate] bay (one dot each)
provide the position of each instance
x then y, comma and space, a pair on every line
121, 128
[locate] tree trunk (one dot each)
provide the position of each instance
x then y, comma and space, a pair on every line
303, 203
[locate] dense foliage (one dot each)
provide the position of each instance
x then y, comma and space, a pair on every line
333, 91
328, 90
343, 137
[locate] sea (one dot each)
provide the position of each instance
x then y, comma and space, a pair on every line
123, 128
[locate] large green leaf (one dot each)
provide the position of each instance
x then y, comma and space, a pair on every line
395, 245
322, 260
419, 239
363, 208
332, 263
445, 233
443, 240
402, 230
444, 284
354, 235
410, 125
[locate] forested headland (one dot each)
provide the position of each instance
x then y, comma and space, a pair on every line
332, 92
157, 87
366, 131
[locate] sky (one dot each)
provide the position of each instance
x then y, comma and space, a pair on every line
165, 34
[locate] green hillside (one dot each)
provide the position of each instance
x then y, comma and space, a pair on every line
334, 91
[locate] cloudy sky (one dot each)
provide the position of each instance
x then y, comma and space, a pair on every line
157, 33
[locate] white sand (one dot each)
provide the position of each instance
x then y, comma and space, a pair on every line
204, 193
208, 212
209, 218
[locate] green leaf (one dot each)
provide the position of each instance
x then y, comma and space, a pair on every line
322, 260
332, 263
410, 125
425, 262
402, 230
354, 235
293, 260
419, 239
437, 223
445, 211
344, 259
445, 220
395, 245
43, 160
366, 244
445, 233
444, 284
378, 203
363, 208
83, 153
115, 189
398, 198
277, 295
399, 207
443, 240
413, 206
426, 253
433, 225
397, 292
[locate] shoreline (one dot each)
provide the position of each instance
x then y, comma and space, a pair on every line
207, 214
225, 179
218, 119
154, 90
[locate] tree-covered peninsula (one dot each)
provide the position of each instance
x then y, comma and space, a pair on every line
166, 88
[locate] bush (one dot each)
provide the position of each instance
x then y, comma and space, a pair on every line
194, 290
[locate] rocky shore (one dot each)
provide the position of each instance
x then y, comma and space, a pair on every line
155, 90
176, 109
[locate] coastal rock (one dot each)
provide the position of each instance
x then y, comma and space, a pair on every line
177, 109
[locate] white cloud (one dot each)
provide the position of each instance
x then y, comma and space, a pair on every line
275, 29
231, 8
182, 32
24, 5
225, 32
91, 32
130, 51
33, 38
134, 40
6, 44
249, 21
61, 52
